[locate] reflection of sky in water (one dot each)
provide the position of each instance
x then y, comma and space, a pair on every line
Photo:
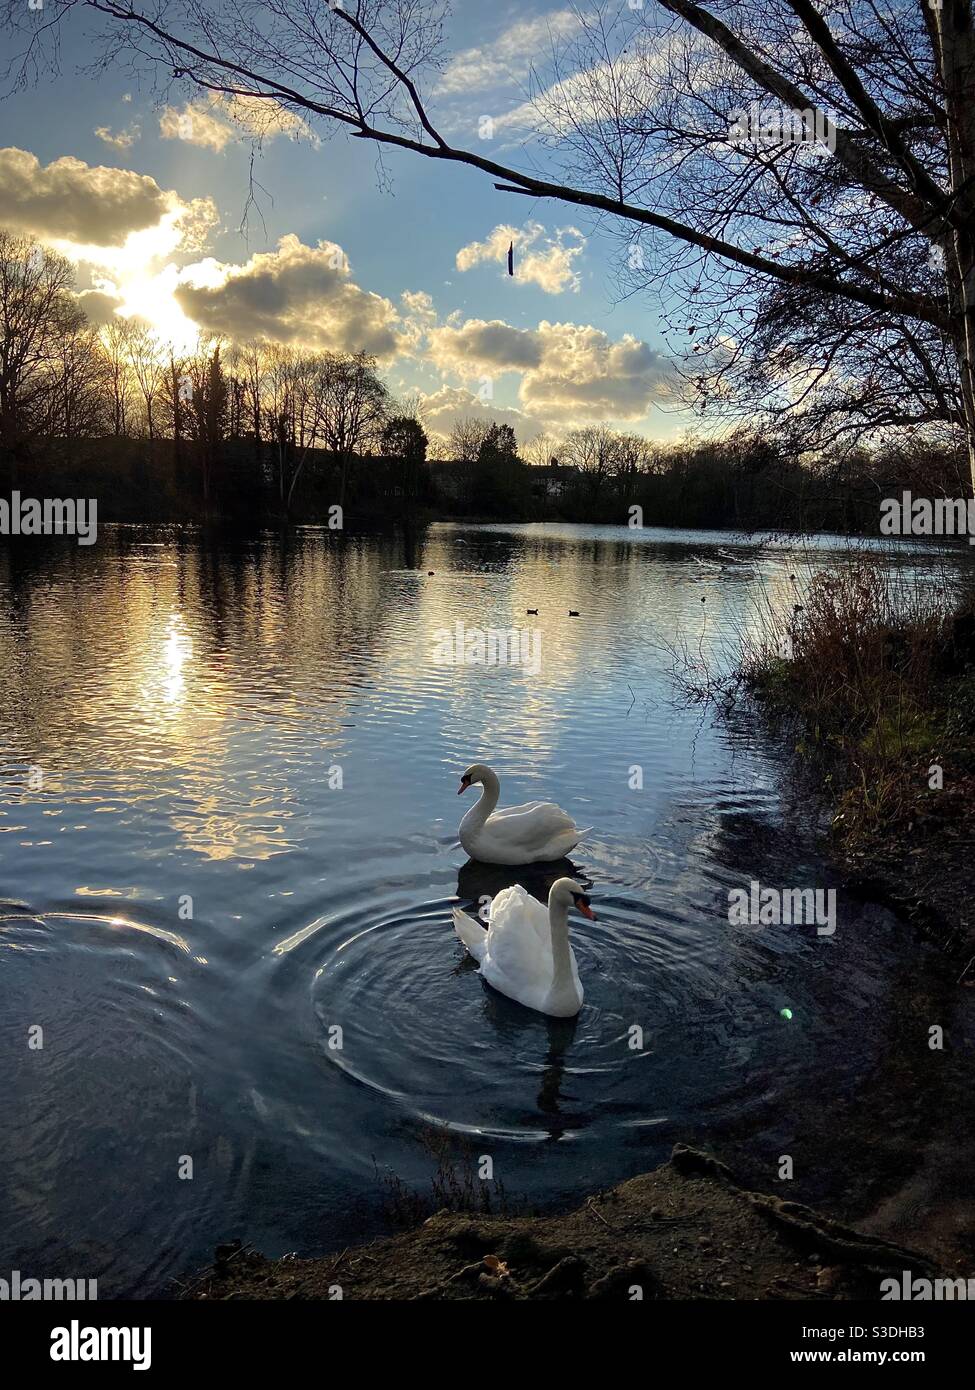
191, 906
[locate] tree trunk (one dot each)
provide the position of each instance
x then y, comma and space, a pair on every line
953, 38
343, 478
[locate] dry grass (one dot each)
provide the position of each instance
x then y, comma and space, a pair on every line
867, 666
456, 1184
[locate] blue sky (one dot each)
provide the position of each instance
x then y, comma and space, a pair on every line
548, 350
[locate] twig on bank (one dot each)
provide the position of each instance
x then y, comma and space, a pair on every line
599, 1217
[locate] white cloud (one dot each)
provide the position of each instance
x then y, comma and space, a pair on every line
120, 140
509, 57
540, 258
587, 376
196, 125
99, 307
443, 409
217, 120
119, 228
296, 294
570, 373
140, 277
616, 85
78, 202
419, 316
485, 345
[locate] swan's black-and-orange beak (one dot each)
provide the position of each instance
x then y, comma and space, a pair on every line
582, 903
465, 782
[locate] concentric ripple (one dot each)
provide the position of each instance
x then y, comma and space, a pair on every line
99, 1049
401, 1010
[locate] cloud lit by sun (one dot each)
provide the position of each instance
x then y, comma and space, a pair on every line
141, 275
145, 252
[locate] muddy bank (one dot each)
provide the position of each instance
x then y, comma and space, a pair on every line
924, 870
687, 1230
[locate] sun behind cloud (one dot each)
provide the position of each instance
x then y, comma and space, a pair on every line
141, 251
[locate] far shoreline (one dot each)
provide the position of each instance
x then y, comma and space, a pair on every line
367, 524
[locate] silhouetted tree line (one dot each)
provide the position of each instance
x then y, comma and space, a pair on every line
252, 429
262, 429
747, 480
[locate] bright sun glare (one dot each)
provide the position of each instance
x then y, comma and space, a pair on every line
143, 278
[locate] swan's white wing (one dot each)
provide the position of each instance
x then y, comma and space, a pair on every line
515, 909
547, 810
517, 948
535, 823
471, 933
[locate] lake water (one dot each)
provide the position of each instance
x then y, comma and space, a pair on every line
192, 904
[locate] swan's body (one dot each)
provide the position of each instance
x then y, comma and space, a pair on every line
525, 952
537, 832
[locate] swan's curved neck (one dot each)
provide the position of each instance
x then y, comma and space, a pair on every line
558, 920
486, 802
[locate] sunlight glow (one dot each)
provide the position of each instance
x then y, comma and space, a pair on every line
143, 278
176, 652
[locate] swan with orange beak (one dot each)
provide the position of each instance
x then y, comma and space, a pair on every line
525, 952
537, 832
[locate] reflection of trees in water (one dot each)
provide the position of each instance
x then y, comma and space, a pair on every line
173, 651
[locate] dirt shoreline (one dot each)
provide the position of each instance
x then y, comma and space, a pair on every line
916, 881
686, 1230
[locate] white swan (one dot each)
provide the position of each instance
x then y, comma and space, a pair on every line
534, 833
525, 952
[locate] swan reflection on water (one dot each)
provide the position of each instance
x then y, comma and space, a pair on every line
550, 1039
479, 883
